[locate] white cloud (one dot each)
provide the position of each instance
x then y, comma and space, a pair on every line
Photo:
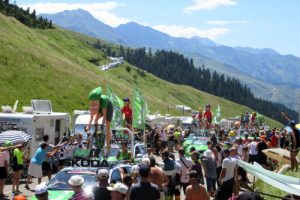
208, 5
223, 22
189, 32
101, 11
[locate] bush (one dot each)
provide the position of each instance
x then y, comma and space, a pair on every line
128, 68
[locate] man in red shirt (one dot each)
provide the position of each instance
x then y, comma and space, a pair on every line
208, 116
274, 140
127, 113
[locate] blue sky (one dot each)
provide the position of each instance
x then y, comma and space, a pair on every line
252, 23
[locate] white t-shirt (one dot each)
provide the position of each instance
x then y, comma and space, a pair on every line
229, 164
252, 148
184, 178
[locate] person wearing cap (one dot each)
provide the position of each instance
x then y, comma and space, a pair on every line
123, 154
101, 191
76, 183
158, 177
35, 166
144, 190
197, 165
127, 112
135, 174
41, 192
186, 164
295, 140
118, 191
100, 106
195, 191
210, 172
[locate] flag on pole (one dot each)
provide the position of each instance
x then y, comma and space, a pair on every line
139, 111
118, 104
217, 115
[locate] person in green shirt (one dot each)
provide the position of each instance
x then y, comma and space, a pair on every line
124, 154
19, 153
100, 106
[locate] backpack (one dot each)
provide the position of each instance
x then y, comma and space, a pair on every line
14, 163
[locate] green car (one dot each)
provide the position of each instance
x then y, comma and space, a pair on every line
200, 144
188, 140
59, 189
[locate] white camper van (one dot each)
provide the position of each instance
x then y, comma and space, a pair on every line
38, 120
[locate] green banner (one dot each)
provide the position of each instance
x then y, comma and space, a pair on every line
139, 112
118, 104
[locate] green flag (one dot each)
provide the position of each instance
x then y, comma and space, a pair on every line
217, 115
138, 110
118, 104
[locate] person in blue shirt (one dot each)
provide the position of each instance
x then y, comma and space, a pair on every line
35, 166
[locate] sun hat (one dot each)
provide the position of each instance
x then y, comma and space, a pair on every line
103, 174
95, 94
119, 187
146, 161
126, 99
41, 189
76, 180
135, 169
207, 153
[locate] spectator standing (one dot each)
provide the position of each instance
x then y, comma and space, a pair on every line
195, 191
76, 183
210, 172
158, 177
197, 166
46, 165
227, 177
101, 191
253, 150
261, 157
208, 116
246, 119
186, 166
35, 166
171, 169
295, 142
4, 164
19, 154
219, 163
144, 190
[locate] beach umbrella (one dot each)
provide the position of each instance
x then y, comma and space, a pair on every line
15, 137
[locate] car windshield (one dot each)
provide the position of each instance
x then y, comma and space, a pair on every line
60, 181
200, 142
190, 137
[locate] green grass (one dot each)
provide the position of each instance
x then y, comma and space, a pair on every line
53, 64
268, 189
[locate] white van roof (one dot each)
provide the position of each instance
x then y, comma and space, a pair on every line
84, 119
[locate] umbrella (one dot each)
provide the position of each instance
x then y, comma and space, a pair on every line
281, 155
14, 136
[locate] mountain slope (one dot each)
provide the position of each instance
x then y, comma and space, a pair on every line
83, 22
269, 74
53, 64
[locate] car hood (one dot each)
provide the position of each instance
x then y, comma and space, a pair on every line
58, 195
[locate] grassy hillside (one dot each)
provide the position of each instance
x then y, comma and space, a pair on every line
54, 64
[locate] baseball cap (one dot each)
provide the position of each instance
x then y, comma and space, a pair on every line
95, 94
76, 180
193, 174
207, 153
119, 187
126, 99
103, 174
41, 189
